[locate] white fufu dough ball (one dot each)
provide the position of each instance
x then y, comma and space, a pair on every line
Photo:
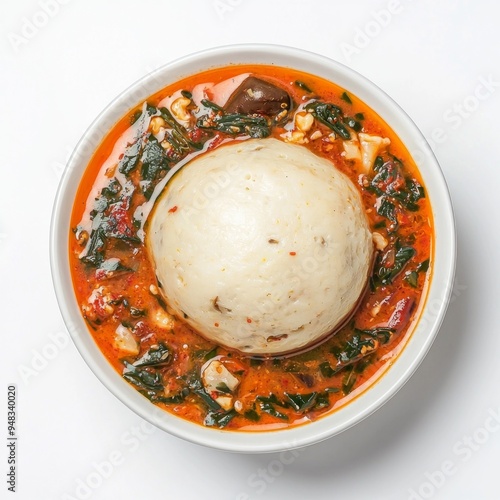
261, 246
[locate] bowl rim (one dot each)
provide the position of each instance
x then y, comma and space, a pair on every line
439, 293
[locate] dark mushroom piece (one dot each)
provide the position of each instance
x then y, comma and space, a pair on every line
256, 96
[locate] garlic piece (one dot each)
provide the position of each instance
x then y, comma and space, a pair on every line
371, 145
125, 341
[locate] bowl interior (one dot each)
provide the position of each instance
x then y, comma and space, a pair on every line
438, 294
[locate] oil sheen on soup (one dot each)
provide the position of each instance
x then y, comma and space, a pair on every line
206, 292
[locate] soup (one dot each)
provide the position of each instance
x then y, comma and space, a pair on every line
192, 363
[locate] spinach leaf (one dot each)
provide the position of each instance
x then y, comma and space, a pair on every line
389, 181
219, 419
178, 136
142, 378
352, 123
386, 275
156, 356
211, 105
93, 253
130, 158
168, 400
236, 123
345, 97
359, 345
326, 370
349, 380
111, 268
388, 210
112, 189
194, 383
355, 347
322, 400
330, 115
267, 405
383, 335
411, 278
303, 86
251, 415
153, 161
423, 267
301, 402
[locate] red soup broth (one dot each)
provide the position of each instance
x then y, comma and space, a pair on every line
116, 286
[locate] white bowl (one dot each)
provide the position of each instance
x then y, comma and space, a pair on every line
438, 295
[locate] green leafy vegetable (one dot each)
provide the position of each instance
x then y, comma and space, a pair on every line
345, 97
154, 160
355, 347
178, 136
251, 415
211, 105
348, 381
389, 181
111, 268
267, 405
383, 335
156, 356
386, 275
322, 400
169, 400
354, 124
423, 267
219, 419
411, 278
303, 86
130, 158
112, 189
301, 402
137, 313
194, 383
326, 370
142, 378
388, 210
330, 115
236, 123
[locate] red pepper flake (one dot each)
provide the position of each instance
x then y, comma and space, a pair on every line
196, 135
216, 325
293, 253
173, 209
215, 142
249, 320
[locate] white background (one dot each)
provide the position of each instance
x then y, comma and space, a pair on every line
57, 74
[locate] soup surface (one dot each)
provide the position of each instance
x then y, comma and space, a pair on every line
123, 303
